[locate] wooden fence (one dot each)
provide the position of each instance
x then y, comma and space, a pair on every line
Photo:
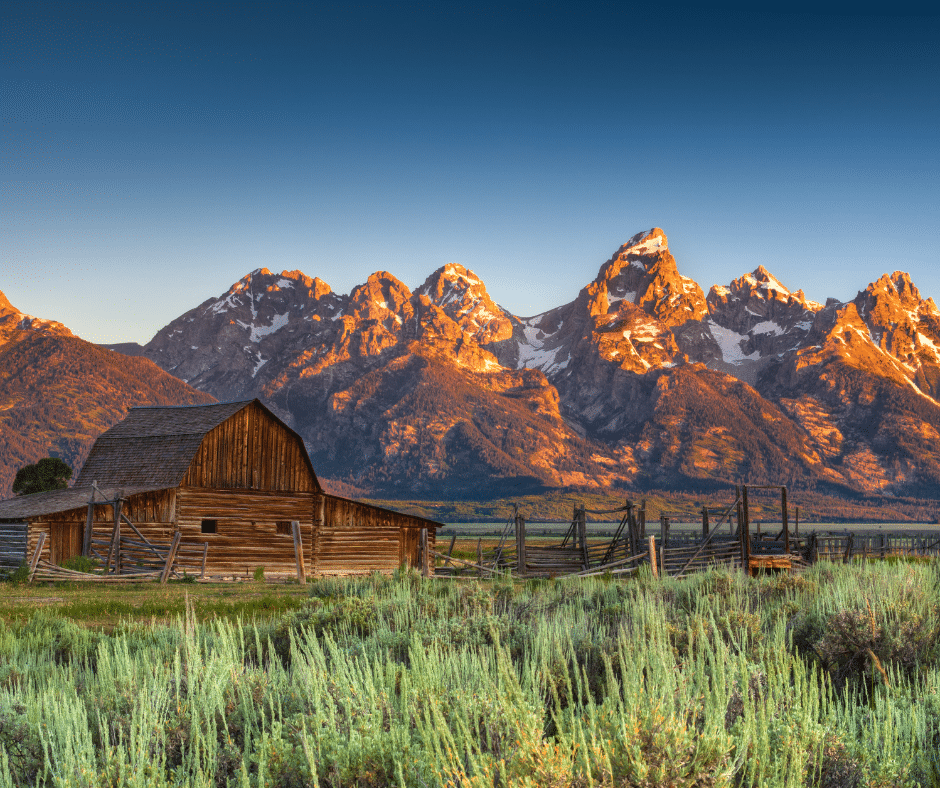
725, 540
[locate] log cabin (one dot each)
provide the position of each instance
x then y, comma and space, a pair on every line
230, 478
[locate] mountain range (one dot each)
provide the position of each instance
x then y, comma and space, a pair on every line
642, 381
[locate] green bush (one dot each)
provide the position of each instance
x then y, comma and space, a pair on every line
20, 574
81, 563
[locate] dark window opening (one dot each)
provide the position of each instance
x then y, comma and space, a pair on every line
210, 526
283, 527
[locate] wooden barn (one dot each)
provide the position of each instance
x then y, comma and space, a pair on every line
232, 480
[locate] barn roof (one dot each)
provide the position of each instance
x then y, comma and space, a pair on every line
38, 504
153, 447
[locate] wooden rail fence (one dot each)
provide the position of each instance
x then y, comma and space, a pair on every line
725, 540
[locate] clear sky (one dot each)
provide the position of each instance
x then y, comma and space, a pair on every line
152, 154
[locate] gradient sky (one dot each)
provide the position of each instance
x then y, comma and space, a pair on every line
152, 154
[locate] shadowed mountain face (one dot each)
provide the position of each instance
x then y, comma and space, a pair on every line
58, 392
642, 380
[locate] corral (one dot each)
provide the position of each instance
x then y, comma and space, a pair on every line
726, 539
212, 490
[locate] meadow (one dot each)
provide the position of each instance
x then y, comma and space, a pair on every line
831, 678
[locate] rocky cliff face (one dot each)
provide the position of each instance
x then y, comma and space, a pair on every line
642, 379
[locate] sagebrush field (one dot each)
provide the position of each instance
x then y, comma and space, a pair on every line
831, 678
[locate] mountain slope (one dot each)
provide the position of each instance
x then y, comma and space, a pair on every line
58, 392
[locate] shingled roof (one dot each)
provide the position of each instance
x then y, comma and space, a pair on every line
154, 446
38, 504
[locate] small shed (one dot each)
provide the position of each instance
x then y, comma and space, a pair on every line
229, 478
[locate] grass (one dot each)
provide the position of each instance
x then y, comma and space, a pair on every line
828, 679
104, 607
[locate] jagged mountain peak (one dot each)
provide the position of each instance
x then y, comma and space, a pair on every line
646, 243
382, 290
5, 305
643, 272
463, 297
898, 285
449, 282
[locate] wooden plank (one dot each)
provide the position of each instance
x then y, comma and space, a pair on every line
299, 553
89, 520
171, 556
34, 561
652, 555
520, 544
481, 567
425, 556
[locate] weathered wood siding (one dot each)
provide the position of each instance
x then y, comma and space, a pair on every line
355, 538
13, 544
37, 527
152, 512
252, 451
246, 535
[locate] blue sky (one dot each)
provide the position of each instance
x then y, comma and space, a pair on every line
152, 154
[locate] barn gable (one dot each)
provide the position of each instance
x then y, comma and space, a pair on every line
252, 450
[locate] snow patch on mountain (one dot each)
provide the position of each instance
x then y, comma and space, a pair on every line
730, 344
616, 299
534, 355
767, 327
257, 332
649, 246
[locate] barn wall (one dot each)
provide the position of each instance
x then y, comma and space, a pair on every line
14, 539
355, 538
37, 527
152, 513
246, 535
251, 450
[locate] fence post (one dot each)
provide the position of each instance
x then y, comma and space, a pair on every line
786, 520
634, 530
520, 544
425, 557
652, 548
171, 557
582, 532
745, 532
299, 553
89, 521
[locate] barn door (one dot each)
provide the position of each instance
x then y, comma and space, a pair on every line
408, 549
65, 540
